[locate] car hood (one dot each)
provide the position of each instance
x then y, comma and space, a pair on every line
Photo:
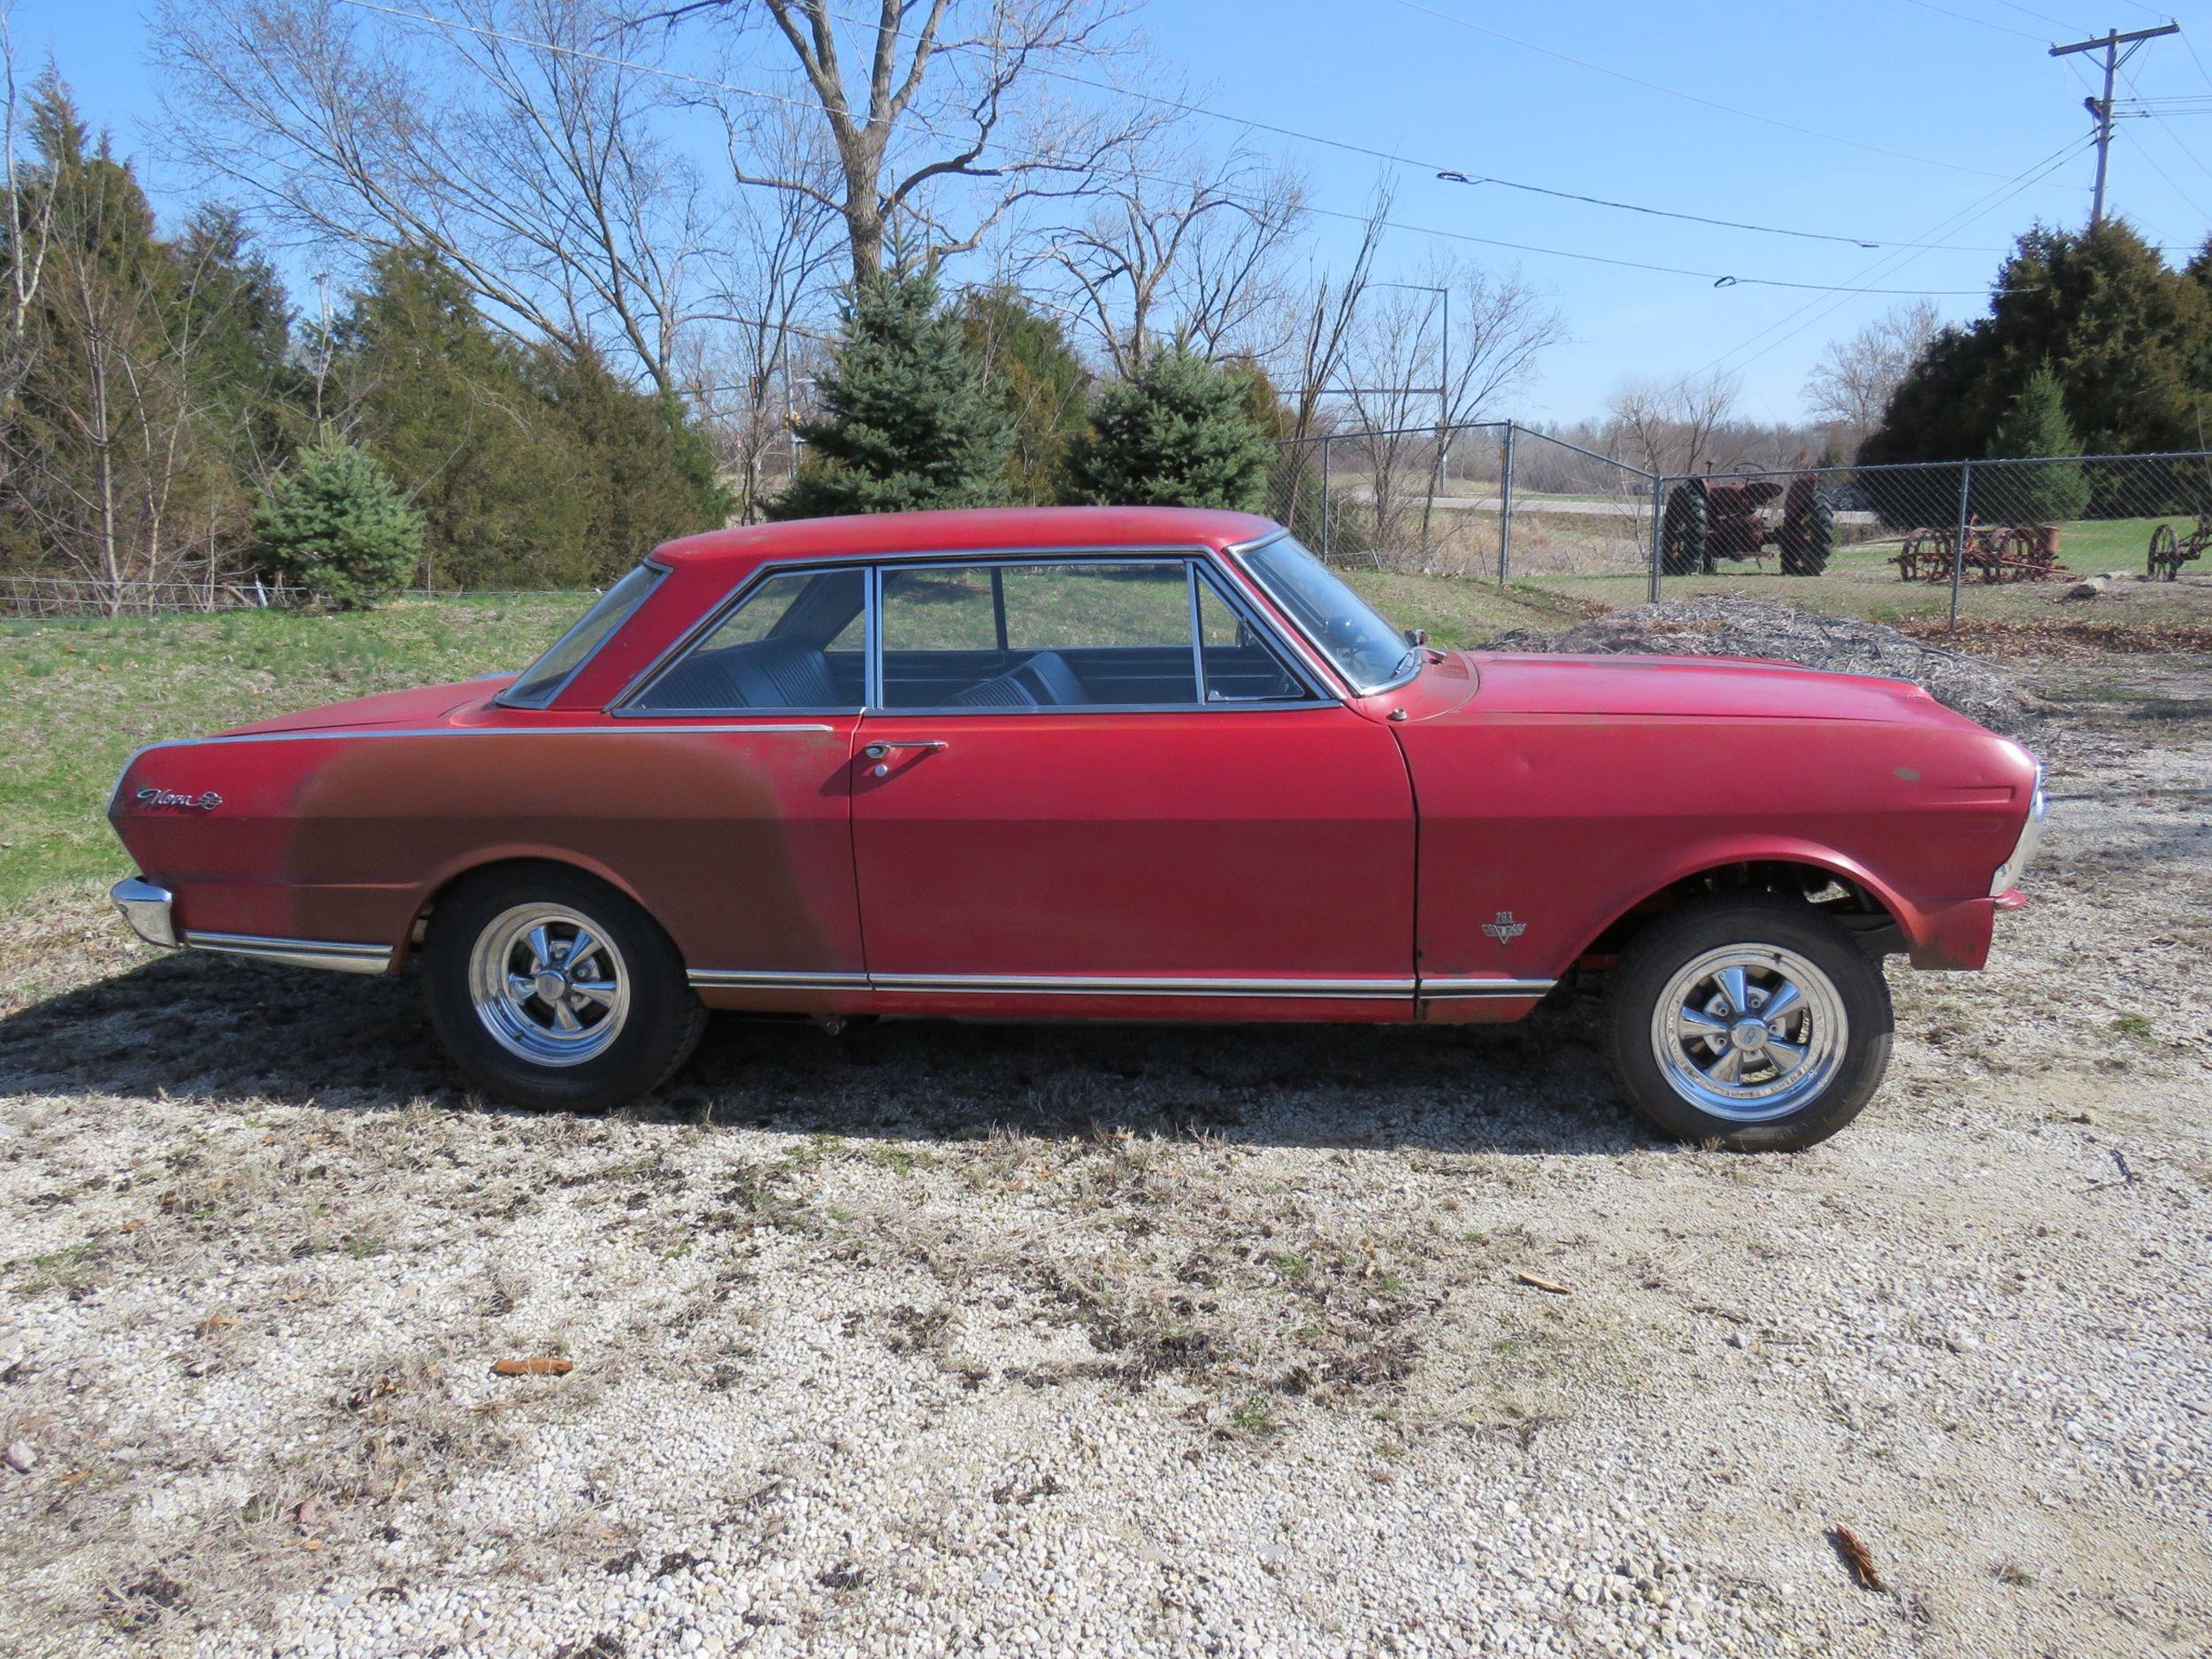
1717, 686
421, 705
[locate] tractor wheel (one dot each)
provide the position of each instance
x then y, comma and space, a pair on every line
1805, 552
1682, 533
2164, 563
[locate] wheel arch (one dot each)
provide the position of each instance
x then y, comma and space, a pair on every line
1830, 882
487, 861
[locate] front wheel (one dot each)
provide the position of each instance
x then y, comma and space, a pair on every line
1751, 1020
551, 989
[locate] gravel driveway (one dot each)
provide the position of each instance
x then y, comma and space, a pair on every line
938, 1338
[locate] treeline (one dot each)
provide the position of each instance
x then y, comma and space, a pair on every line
2095, 321
156, 392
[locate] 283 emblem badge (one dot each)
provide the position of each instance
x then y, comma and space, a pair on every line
1505, 930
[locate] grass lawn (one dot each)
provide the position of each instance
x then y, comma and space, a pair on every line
1862, 581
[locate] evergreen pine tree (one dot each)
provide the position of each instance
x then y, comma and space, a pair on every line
334, 524
1179, 432
2036, 424
906, 422
447, 406
1034, 376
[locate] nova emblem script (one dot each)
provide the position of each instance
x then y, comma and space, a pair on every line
207, 801
1505, 930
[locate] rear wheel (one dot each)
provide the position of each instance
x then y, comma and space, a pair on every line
1807, 550
1749, 1020
1682, 533
552, 989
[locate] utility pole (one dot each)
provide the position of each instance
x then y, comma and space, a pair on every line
2100, 109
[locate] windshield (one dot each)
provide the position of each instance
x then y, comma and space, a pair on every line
535, 688
1366, 649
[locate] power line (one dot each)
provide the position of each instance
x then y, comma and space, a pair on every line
1691, 97
1976, 208
1455, 175
1718, 279
2001, 29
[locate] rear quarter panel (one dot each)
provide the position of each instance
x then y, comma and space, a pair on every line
1567, 821
737, 843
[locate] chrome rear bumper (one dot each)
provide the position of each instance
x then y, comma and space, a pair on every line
147, 908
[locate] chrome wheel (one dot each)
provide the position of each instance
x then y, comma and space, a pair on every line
549, 984
1749, 1033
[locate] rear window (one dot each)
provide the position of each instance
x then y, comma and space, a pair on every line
535, 688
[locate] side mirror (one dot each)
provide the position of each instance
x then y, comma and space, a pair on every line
1416, 636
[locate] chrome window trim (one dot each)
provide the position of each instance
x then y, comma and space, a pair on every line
660, 574
759, 576
1199, 562
1272, 638
1290, 617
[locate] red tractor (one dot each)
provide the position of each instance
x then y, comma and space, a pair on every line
1706, 521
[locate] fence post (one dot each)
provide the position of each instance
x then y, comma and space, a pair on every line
1505, 503
1958, 543
1324, 501
1658, 507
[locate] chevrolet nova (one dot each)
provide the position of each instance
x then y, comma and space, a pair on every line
1125, 763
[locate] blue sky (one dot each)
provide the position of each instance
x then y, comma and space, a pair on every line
1963, 91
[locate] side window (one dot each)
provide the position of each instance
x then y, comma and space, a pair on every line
1032, 636
797, 641
1241, 665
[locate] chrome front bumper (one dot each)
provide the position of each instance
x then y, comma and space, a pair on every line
147, 908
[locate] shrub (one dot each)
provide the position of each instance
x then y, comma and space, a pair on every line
334, 524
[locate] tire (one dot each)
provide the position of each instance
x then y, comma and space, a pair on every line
1805, 554
1682, 533
1842, 1035
638, 1023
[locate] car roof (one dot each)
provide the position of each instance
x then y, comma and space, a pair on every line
967, 530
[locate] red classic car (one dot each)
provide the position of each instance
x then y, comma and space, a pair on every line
1101, 764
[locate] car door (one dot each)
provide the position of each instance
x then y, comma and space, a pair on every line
741, 836
1102, 778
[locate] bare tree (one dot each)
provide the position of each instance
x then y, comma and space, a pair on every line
1323, 320
1673, 427
938, 110
28, 229
508, 139
1852, 383
769, 308
1176, 244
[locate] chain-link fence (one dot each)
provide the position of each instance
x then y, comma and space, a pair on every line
34, 597
1906, 542
1988, 538
1498, 500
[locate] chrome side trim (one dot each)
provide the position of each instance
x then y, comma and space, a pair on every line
294, 953
730, 978
1105, 985
329, 734
1102, 985
146, 908
1456, 989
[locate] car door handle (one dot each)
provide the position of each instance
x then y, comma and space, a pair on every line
881, 752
